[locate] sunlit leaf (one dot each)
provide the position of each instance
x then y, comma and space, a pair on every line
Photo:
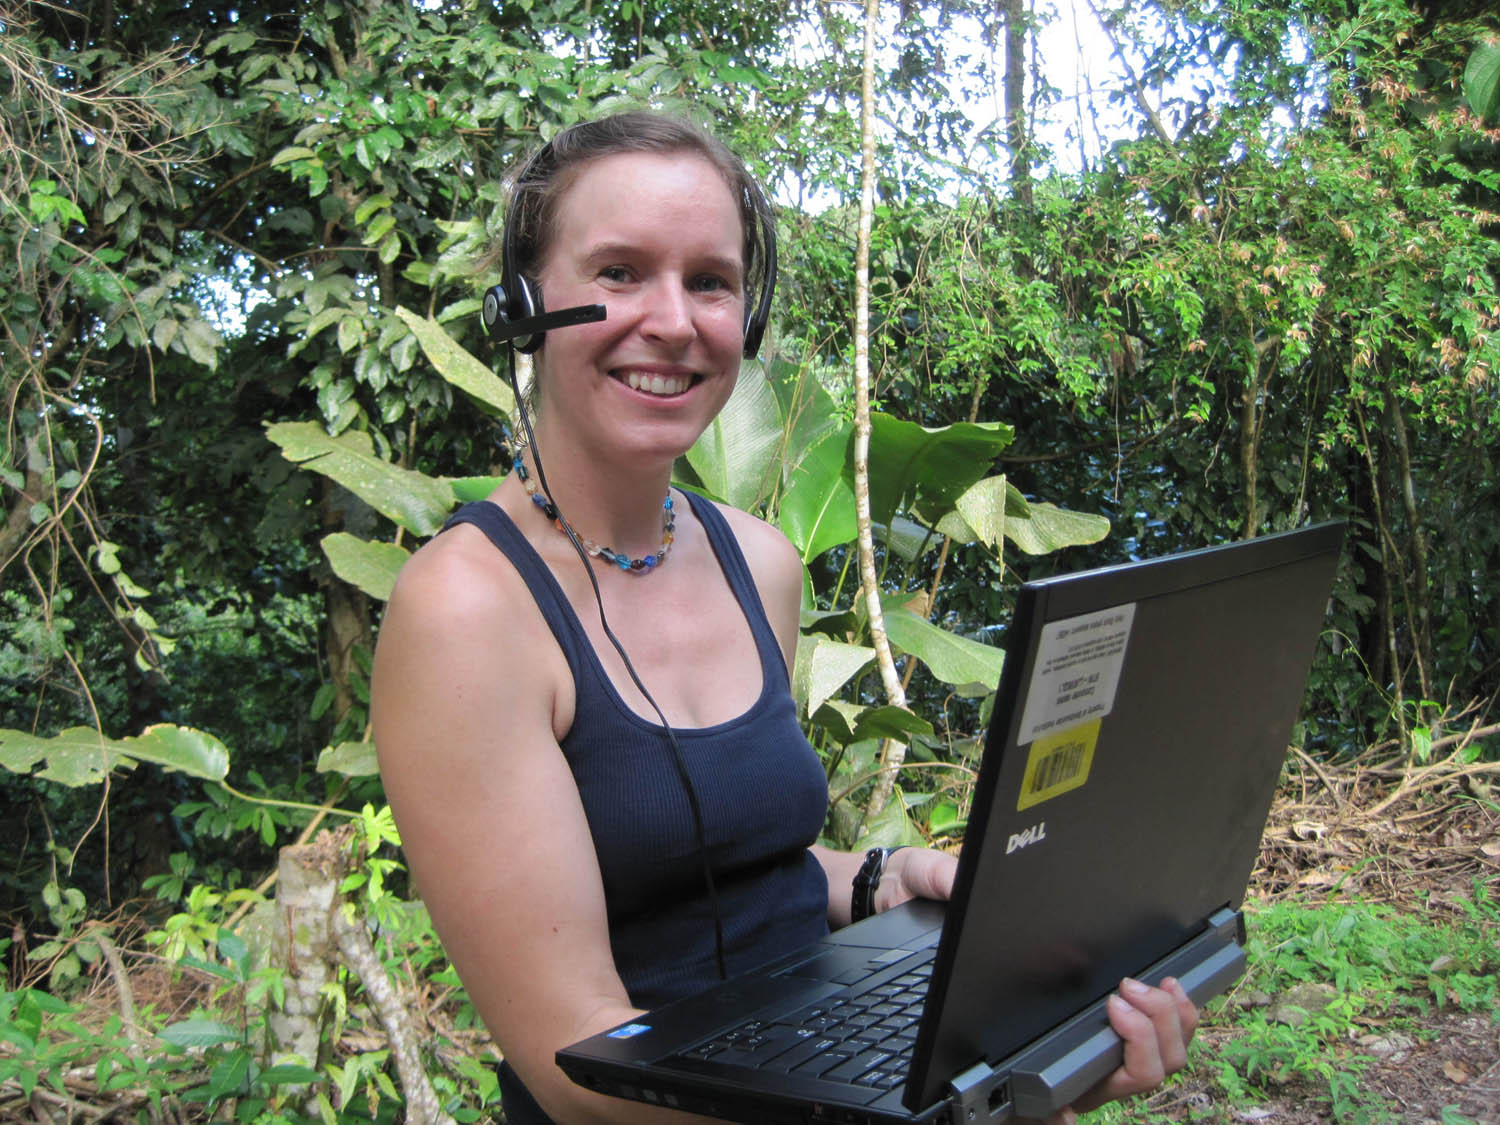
354, 759
181, 749
823, 667
458, 366
971, 667
417, 502
736, 457
1049, 528
370, 566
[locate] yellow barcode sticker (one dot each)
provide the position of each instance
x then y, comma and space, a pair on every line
1058, 763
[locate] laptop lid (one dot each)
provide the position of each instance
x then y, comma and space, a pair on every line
1139, 729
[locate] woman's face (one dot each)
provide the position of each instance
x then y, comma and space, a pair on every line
657, 239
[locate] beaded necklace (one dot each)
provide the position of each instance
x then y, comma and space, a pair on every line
618, 558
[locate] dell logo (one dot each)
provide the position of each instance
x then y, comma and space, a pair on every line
1035, 834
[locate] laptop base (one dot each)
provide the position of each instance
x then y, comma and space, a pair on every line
1033, 1083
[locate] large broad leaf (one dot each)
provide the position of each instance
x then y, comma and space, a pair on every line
908, 461
816, 511
370, 566
356, 759
418, 503
77, 756
1482, 81
180, 749
823, 668
736, 457
808, 414
980, 513
457, 366
1049, 528
82, 756
969, 666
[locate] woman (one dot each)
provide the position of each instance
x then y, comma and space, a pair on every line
556, 832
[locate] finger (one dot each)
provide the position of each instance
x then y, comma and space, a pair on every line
1064, 1116
1187, 1011
1160, 1005
1142, 1068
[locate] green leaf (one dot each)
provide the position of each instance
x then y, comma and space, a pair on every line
736, 457
909, 462
816, 511
77, 756
290, 1074
890, 722
295, 152
1049, 528
457, 366
971, 667
468, 489
370, 566
823, 667
199, 1033
1482, 81
230, 1076
181, 749
981, 510
415, 501
353, 759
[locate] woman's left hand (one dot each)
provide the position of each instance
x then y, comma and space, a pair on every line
1156, 1025
915, 873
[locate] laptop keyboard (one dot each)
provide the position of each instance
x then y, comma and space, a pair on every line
861, 1035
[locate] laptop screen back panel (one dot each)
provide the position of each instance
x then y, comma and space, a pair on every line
1091, 873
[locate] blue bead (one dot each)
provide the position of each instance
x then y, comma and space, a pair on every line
650, 561
622, 562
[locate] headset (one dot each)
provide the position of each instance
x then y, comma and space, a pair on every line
514, 316
513, 312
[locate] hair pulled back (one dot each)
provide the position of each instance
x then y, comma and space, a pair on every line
537, 191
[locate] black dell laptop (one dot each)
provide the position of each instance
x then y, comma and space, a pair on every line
1138, 734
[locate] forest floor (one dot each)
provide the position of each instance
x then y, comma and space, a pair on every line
1420, 843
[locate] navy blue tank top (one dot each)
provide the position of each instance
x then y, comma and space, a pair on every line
761, 787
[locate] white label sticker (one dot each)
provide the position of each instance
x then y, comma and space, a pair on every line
1077, 670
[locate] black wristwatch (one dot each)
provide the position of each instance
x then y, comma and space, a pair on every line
867, 881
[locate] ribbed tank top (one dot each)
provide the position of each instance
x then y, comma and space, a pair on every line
761, 787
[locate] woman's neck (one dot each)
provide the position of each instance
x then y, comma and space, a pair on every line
619, 507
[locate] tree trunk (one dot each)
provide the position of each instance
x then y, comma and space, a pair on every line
1016, 136
894, 753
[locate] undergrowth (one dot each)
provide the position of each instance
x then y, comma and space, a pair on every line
1322, 976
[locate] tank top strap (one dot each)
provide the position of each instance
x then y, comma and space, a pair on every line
742, 583
557, 611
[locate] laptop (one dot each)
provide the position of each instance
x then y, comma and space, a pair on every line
1137, 737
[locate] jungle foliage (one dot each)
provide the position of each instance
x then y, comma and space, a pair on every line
243, 378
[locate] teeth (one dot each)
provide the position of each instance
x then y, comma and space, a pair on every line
658, 384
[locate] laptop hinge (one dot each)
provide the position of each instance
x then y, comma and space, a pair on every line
980, 1093
1068, 1061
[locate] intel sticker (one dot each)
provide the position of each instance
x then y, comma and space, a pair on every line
629, 1031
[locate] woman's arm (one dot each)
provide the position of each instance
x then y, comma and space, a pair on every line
469, 692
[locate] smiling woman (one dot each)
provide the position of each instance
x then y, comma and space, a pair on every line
595, 835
